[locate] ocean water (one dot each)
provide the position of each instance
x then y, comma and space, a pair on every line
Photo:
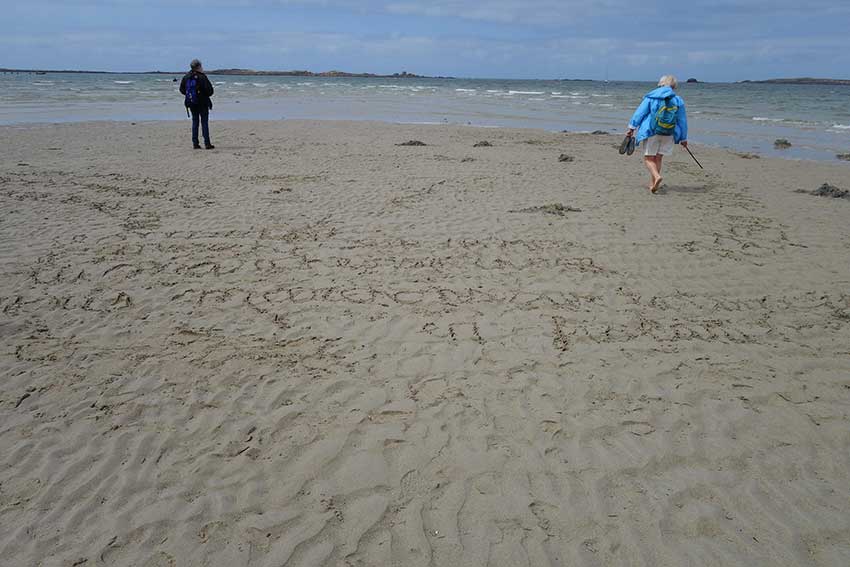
744, 117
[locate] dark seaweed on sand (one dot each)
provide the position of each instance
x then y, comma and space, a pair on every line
553, 209
827, 190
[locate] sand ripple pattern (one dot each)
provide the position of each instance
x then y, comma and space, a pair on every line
314, 347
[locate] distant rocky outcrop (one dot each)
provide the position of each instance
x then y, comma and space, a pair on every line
692, 80
803, 81
239, 72
323, 74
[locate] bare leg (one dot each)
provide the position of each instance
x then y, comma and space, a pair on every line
652, 163
657, 182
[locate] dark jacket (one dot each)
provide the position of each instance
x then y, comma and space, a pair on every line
205, 88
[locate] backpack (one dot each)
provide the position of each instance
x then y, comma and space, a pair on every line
193, 95
665, 120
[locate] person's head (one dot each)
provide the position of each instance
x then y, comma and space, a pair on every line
668, 81
195, 65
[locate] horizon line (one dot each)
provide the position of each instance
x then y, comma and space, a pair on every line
400, 75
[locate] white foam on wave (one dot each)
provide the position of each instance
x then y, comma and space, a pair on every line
765, 119
526, 92
841, 126
466, 90
123, 82
220, 82
240, 84
260, 84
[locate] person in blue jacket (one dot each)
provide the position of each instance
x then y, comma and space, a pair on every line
661, 121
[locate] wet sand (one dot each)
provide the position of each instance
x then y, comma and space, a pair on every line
313, 346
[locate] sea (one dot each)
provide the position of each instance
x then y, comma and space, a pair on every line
745, 117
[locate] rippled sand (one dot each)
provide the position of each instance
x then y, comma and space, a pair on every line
312, 346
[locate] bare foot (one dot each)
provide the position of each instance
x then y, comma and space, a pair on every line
656, 184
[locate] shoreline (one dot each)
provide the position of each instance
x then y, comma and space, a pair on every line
213, 120
549, 105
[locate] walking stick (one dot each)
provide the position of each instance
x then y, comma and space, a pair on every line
695, 157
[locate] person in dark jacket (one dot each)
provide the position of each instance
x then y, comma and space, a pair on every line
198, 102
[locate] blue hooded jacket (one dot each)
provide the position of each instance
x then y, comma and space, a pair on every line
645, 113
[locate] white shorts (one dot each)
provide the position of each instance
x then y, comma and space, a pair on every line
656, 145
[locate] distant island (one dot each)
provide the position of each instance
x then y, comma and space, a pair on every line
239, 72
802, 81
325, 74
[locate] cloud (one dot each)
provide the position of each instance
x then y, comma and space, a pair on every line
719, 39
70, 40
539, 12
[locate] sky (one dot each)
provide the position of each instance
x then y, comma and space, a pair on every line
720, 40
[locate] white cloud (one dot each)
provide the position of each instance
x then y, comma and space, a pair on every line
509, 38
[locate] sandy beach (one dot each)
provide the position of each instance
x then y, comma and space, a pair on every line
314, 346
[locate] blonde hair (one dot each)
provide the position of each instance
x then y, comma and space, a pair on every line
668, 81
